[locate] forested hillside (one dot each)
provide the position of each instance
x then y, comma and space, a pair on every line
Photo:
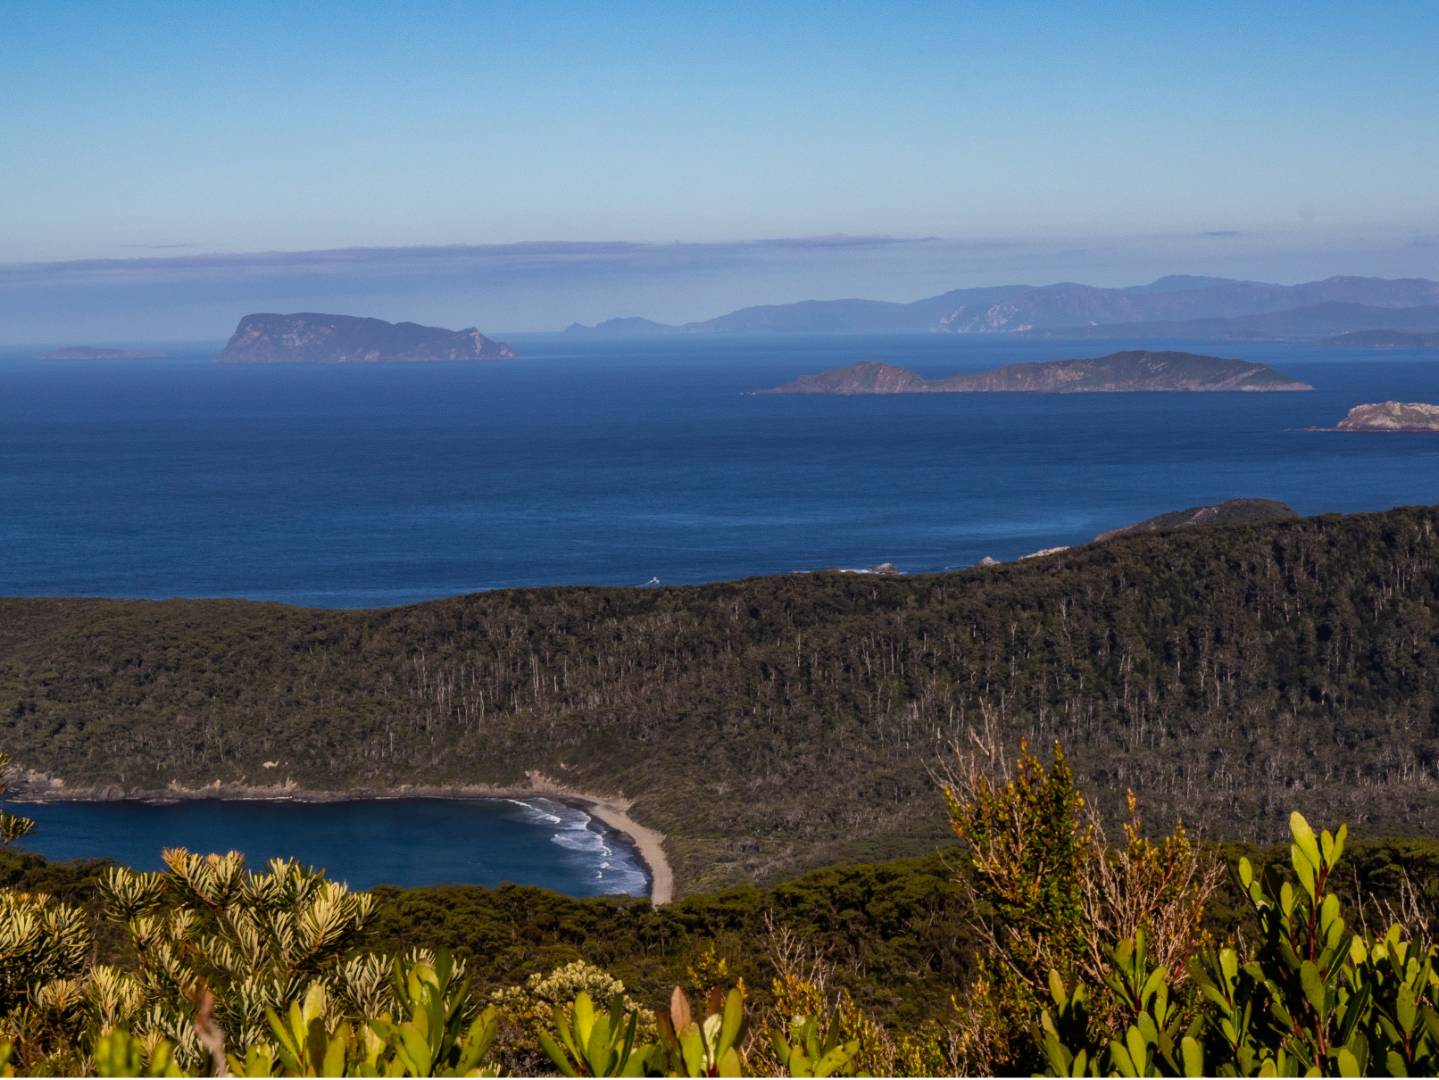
1226, 674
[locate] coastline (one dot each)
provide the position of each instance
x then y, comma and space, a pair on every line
611, 810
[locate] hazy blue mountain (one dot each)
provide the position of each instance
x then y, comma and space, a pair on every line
1197, 306
1067, 307
1316, 320
818, 316
623, 327
1385, 339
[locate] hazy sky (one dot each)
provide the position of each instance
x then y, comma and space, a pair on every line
1035, 142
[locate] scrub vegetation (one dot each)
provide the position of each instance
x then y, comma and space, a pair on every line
1226, 675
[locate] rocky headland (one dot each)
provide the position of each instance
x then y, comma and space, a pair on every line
1230, 512
1391, 416
1121, 372
309, 338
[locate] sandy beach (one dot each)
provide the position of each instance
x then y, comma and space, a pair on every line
612, 810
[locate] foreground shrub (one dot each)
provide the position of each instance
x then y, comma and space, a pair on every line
1053, 896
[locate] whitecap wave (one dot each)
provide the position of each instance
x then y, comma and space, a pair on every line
536, 813
616, 865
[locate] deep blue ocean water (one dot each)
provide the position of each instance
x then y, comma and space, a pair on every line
616, 463
365, 842
607, 463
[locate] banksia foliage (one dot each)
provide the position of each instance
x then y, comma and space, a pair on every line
255, 940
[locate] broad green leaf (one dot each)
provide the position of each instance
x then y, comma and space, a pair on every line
1304, 837
555, 1054
1193, 1055
733, 1020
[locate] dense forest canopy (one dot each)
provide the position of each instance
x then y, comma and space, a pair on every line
1226, 674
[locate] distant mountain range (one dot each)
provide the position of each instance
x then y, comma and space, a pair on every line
1178, 306
312, 338
1385, 339
1121, 372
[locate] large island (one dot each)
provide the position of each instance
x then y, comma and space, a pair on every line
1121, 372
311, 338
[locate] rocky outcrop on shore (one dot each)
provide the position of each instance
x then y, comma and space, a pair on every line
1391, 416
1230, 512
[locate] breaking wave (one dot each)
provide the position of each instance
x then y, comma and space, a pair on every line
610, 856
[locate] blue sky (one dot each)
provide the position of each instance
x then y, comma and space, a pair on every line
1096, 142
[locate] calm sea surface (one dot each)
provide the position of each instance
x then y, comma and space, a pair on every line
608, 463
359, 486
368, 842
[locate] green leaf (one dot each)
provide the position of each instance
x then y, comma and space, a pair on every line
1193, 1055
418, 1049
1120, 1061
1304, 837
584, 1010
1138, 1047
555, 1054
692, 1047
1304, 870
1313, 986
729, 1064
733, 1021
333, 1063
1056, 988
1406, 1009
599, 1049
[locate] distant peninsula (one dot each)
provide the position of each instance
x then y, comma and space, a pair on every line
1385, 339
89, 352
1230, 512
309, 338
1391, 416
1177, 306
1121, 372
631, 326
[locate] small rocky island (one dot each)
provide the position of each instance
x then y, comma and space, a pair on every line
309, 338
1230, 512
1391, 416
1121, 372
90, 352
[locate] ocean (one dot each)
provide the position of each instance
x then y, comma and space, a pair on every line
620, 463
615, 463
